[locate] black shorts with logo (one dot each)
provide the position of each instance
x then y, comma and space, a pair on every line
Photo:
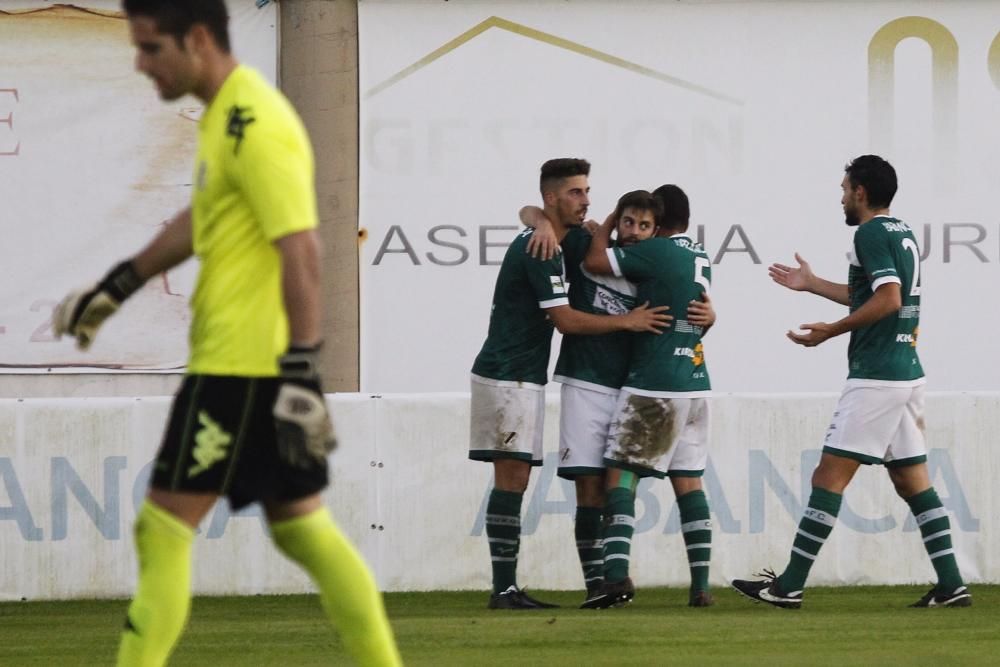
221, 439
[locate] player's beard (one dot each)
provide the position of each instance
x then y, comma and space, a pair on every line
851, 218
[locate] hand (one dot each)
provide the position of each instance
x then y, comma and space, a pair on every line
82, 312
817, 332
644, 318
701, 313
798, 279
543, 244
591, 226
302, 422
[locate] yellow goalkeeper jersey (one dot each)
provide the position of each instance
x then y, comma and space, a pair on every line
253, 184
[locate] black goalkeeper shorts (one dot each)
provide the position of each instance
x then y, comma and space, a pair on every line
221, 439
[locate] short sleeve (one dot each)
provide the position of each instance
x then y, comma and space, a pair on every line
876, 257
635, 263
272, 164
546, 280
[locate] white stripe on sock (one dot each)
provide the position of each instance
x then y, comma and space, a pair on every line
703, 545
804, 554
700, 524
819, 516
622, 520
810, 536
930, 515
503, 520
943, 552
940, 533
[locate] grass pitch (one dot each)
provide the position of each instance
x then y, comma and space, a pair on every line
836, 626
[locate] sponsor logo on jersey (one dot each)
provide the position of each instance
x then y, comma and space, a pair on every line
608, 302
236, 125
908, 338
557, 285
697, 355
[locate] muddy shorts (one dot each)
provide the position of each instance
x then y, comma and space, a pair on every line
506, 420
655, 437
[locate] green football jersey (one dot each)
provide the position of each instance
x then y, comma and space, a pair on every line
668, 272
520, 335
885, 251
598, 362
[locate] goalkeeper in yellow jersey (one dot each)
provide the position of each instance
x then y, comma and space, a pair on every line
249, 421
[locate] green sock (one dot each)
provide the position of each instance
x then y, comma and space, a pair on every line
159, 610
347, 589
817, 522
619, 517
588, 531
503, 529
697, 530
935, 528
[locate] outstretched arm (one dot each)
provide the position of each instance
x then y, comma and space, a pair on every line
169, 248
886, 300
82, 312
802, 279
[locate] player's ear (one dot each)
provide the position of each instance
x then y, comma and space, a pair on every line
549, 197
199, 38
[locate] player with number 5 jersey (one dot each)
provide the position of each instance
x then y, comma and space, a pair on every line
669, 271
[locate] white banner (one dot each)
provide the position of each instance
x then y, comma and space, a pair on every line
403, 490
752, 107
91, 165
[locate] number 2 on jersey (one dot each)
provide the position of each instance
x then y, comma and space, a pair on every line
911, 245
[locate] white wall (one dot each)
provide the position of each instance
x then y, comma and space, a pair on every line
753, 107
72, 472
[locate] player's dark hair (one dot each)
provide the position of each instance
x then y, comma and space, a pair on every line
676, 208
560, 168
876, 176
176, 17
641, 200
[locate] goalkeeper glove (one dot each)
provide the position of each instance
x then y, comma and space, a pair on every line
82, 312
302, 422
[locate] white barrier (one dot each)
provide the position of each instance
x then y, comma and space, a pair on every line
72, 472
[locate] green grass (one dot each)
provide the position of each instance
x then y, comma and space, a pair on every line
837, 626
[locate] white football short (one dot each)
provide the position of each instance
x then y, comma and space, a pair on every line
506, 420
584, 418
878, 424
656, 436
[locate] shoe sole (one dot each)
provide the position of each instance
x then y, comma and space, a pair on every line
788, 605
601, 603
962, 601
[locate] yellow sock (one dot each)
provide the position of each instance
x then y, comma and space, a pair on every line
347, 589
162, 599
